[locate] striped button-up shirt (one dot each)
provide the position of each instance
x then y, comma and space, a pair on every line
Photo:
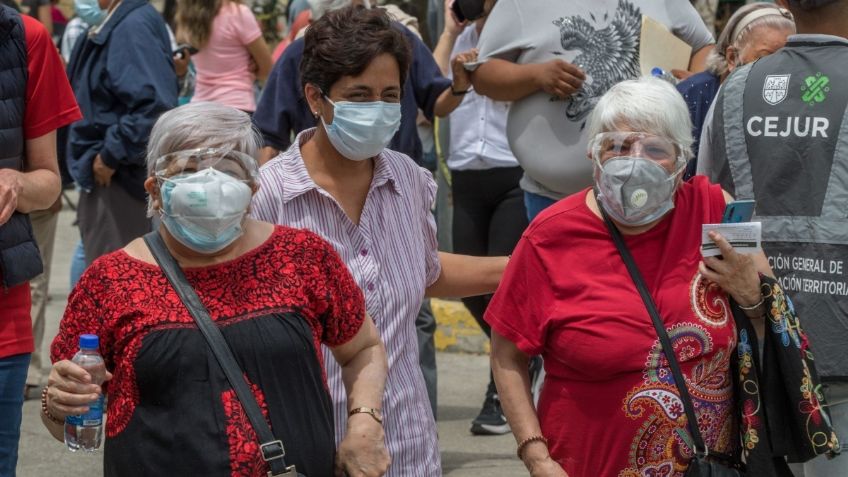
392, 254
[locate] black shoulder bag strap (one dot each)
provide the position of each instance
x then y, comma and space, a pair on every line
272, 449
701, 449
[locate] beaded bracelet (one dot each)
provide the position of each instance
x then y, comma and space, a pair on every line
44, 407
523, 444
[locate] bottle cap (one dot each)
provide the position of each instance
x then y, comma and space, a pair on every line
657, 71
89, 342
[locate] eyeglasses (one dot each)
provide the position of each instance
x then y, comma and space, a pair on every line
608, 145
235, 163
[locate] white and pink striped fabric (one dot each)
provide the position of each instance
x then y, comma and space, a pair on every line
392, 254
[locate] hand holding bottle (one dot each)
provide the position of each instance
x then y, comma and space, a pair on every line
71, 389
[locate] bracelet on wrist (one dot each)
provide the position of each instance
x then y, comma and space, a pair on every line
375, 413
459, 93
44, 410
754, 306
521, 445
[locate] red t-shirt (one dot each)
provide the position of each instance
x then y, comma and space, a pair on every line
609, 405
50, 104
50, 101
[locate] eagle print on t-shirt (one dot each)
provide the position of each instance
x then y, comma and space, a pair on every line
608, 54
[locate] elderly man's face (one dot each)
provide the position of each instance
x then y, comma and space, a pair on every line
763, 42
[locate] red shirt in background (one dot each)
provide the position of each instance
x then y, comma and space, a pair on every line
609, 405
50, 104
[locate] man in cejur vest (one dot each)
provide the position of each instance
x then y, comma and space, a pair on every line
780, 136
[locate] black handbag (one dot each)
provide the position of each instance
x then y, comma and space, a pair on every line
272, 450
705, 463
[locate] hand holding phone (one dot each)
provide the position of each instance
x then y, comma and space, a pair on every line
738, 211
184, 50
467, 10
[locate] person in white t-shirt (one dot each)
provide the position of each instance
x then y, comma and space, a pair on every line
488, 205
554, 60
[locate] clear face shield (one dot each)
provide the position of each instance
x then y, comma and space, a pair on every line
663, 151
205, 194
235, 164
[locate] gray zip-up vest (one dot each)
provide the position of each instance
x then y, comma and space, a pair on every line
19, 257
785, 121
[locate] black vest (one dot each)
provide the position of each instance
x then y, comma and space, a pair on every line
785, 122
19, 257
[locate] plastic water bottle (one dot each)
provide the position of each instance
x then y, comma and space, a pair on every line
85, 431
664, 75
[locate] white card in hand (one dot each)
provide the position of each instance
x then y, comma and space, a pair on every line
745, 237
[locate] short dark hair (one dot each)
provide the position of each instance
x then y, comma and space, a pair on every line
344, 42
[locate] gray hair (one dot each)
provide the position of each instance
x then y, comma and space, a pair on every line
320, 7
647, 104
201, 125
717, 59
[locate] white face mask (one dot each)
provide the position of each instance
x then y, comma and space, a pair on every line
204, 210
360, 131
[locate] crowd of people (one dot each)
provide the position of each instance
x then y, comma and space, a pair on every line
294, 185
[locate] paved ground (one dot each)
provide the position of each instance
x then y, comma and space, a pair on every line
462, 381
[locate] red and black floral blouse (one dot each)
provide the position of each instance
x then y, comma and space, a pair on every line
170, 408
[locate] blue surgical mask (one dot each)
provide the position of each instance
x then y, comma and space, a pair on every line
204, 210
362, 130
89, 11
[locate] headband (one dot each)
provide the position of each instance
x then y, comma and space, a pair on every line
754, 16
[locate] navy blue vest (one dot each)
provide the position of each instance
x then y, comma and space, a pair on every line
19, 257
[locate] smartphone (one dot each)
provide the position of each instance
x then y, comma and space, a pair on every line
467, 10
738, 211
457, 12
181, 51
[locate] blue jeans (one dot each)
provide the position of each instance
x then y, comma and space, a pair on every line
13, 373
536, 203
77, 264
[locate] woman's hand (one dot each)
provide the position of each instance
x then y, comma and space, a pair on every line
461, 79
71, 390
452, 26
543, 465
181, 64
735, 273
558, 77
363, 452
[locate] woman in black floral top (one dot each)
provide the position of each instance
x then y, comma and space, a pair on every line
276, 293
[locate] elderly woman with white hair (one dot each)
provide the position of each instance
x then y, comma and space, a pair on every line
754, 31
276, 293
609, 405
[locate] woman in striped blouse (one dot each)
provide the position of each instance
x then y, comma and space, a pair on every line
373, 205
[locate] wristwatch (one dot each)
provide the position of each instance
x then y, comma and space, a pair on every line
375, 413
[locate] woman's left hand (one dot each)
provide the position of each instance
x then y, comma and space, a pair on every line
734, 272
461, 78
363, 452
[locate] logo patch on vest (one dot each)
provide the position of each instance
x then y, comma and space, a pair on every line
815, 89
775, 89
